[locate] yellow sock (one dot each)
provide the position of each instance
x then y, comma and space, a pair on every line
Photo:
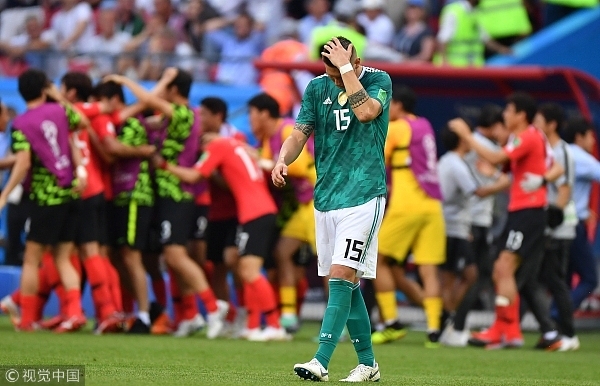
387, 306
433, 311
288, 300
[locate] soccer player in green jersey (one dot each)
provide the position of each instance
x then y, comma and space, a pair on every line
347, 109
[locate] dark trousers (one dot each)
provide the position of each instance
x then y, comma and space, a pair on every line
583, 263
552, 275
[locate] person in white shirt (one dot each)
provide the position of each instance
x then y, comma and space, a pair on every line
107, 44
73, 25
379, 28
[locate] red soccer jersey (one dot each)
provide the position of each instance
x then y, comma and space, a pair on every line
222, 204
90, 110
95, 183
104, 127
527, 154
243, 176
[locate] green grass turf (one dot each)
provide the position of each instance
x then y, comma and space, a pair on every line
162, 360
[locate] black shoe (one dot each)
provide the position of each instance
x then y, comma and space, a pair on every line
155, 311
139, 327
549, 344
433, 339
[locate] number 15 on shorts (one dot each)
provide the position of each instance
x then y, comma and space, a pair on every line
354, 249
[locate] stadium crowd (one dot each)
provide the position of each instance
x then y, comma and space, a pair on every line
218, 40
115, 194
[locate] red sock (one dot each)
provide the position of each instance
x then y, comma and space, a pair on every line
252, 305
16, 296
189, 306
127, 301
61, 294
114, 285
209, 299
48, 273
232, 313
209, 270
95, 270
267, 301
29, 305
301, 289
240, 297
73, 303
160, 292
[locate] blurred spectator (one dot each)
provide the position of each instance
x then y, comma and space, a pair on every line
461, 39
506, 21
318, 16
200, 17
108, 44
415, 41
128, 18
287, 87
73, 25
555, 10
139, 47
33, 39
237, 50
165, 51
227, 8
13, 16
267, 15
170, 17
379, 28
344, 25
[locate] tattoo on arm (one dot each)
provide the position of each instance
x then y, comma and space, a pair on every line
306, 129
358, 98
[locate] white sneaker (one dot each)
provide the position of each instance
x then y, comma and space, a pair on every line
272, 333
239, 324
362, 373
453, 338
215, 320
312, 370
569, 344
9, 307
253, 335
189, 326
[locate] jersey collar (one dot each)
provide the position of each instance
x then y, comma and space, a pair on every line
362, 72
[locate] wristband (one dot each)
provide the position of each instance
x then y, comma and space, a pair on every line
346, 68
81, 172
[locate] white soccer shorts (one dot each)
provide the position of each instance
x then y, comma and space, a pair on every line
348, 237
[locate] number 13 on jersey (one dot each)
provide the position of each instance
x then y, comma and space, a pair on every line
342, 119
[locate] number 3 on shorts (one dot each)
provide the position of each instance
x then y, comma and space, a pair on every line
356, 246
514, 241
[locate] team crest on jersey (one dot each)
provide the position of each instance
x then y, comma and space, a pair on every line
342, 98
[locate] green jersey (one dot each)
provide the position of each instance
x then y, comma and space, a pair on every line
348, 154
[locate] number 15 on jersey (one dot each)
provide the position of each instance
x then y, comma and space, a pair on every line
342, 119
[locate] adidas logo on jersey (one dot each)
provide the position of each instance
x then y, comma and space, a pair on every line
327, 101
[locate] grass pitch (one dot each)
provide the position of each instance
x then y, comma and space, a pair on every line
163, 360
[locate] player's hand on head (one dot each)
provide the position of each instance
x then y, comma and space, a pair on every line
336, 53
460, 127
170, 73
278, 174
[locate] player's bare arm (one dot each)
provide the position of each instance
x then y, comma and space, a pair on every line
187, 175
344, 59
462, 129
18, 173
554, 173
290, 150
145, 97
77, 157
117, 149
502, 183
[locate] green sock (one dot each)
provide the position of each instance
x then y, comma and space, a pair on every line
359, 327
334, 320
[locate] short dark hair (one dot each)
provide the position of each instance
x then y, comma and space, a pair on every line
109, 90
79, 81
490, 115
215, 105
552, 112
344, 42
406, 96
32, 84
523, 102
577, 125
263, 102
449, 138
183, 82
